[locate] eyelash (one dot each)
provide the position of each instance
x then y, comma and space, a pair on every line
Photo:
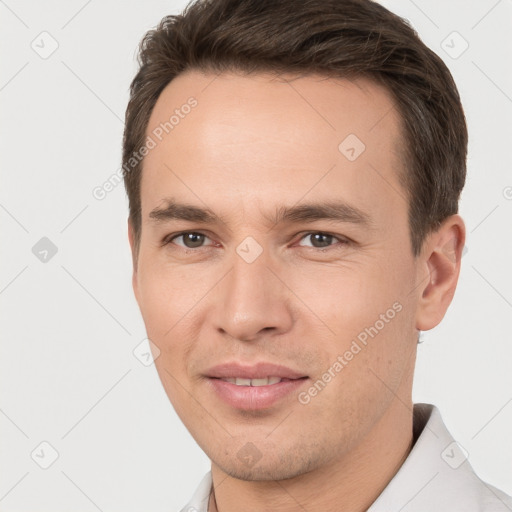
170, 238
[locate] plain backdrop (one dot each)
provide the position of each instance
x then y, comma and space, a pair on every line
70, 325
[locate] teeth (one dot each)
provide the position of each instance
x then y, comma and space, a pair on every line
253, 382
259, 382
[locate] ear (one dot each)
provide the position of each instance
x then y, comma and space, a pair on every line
134, 249
438, 271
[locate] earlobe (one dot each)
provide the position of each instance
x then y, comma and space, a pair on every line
442, 259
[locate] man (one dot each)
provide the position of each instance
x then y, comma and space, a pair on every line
293, 171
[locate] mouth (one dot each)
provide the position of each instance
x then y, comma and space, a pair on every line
265, 381
255, 387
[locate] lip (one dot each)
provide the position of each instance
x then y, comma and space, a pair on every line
252, 371
253, 398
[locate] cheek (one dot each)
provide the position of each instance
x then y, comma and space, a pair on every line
166, 299
166, 295
348, 297
367, 316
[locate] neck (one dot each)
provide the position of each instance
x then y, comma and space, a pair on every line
352, 483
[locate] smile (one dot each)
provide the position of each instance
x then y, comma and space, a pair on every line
266, 381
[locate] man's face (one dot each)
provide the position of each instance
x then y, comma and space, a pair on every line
252, 286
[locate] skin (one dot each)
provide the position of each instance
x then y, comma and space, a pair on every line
251, 145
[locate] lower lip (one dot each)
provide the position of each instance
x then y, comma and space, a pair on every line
254, 397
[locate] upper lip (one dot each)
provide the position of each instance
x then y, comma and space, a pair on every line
252, 371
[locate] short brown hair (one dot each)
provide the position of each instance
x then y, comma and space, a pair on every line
335, 38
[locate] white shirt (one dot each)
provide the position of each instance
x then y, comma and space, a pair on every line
435, 477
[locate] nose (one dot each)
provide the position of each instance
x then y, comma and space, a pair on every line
252, 301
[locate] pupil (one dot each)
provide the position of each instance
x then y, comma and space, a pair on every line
193, 239
326, 242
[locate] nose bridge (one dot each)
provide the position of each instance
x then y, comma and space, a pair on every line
252, 298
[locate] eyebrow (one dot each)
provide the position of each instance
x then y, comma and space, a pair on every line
326, 210
173, 210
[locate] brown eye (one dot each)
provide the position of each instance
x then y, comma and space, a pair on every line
320, 240
190, 240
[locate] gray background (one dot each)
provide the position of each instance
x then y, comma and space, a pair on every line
70, 324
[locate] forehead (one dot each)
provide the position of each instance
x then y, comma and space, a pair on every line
230, 139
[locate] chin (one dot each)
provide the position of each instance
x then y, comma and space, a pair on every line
266, 471
260, 474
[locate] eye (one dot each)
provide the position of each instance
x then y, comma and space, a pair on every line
320, 240
189, 239
196, 240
